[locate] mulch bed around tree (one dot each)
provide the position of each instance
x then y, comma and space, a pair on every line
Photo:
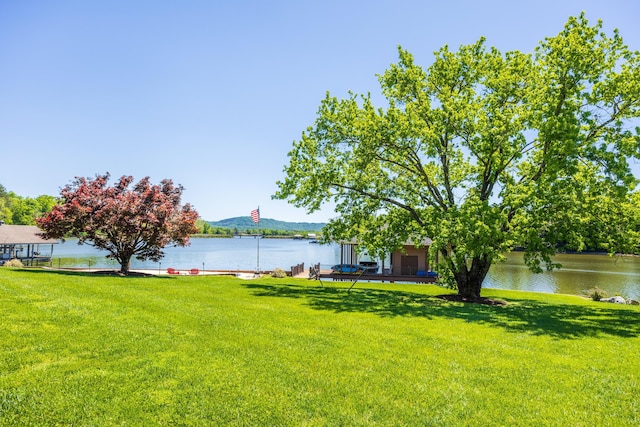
481, 300
118, 273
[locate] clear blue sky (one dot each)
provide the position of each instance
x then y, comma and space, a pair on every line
212, 94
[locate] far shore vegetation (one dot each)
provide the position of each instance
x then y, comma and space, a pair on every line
206, 230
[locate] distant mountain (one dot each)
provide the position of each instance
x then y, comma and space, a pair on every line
245, 222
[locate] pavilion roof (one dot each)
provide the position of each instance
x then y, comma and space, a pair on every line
21, 235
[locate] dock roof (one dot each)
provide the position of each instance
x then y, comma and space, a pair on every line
22, 235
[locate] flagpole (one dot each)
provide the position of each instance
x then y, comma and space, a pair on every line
255, 217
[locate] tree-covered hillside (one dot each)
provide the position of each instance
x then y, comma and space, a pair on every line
245, 223
19, 210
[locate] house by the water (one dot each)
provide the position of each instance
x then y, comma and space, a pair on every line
409, 263
23, 243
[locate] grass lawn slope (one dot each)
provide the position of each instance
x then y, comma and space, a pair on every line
89, 350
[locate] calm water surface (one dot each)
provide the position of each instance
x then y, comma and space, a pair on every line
579, 273
214, 253
616, 275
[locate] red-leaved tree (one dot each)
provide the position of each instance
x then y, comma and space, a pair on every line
138, 221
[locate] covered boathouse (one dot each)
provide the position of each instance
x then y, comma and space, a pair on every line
409, 263
22, 242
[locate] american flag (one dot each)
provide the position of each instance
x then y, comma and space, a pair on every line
255, 215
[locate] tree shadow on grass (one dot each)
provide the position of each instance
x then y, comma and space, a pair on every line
519, 315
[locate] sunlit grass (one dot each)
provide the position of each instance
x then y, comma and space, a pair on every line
77, 349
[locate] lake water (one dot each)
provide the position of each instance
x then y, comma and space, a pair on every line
212, 254
616, 275
579, 273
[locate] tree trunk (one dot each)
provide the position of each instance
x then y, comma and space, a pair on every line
469, 280
125, 263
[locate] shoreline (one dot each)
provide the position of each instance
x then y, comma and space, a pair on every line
242, 274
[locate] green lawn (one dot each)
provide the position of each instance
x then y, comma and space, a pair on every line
85, 350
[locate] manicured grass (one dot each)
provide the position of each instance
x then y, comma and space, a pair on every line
77, 349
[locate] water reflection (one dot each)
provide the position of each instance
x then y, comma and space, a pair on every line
212, 254
579, 273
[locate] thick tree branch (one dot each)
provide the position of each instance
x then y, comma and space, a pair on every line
373, 196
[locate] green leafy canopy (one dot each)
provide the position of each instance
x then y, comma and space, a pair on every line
482, 151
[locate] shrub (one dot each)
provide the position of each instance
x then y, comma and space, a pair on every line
14, 263
278, 273
596, 293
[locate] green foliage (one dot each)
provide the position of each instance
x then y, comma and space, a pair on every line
15, 263
245, 223
203, 227
77, 349
268, 227
482, 152
596, 294
18, 210
278, 273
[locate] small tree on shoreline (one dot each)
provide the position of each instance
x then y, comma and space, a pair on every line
127, 222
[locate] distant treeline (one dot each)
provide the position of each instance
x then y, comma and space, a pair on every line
205, 228
20, 210
267, 227
245, 223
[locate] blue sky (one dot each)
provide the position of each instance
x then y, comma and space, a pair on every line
212, 94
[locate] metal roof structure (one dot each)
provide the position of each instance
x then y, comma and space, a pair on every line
22, 235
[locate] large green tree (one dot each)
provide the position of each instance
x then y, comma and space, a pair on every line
483, 151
